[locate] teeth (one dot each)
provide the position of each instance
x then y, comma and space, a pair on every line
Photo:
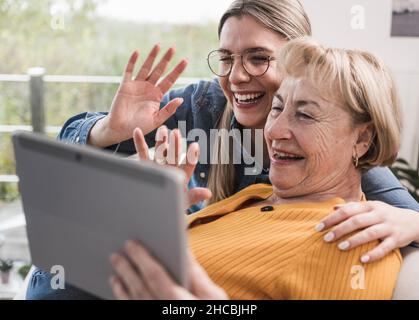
283, 154
243, 97
279, 155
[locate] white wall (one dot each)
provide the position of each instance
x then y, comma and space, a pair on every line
331, 21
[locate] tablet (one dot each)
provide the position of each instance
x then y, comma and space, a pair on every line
81, 204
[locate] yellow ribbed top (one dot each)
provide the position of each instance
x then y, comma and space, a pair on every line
278, 255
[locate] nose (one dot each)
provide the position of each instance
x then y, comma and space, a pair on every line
278, 128
238, 74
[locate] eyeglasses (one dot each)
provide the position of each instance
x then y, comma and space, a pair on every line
255, 62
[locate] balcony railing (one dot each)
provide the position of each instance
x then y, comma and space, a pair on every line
36, 78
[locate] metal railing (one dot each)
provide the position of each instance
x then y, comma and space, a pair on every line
36, 78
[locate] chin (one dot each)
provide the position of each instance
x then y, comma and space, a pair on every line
249, 121
283, 182
282, 186
251, 116
287, 191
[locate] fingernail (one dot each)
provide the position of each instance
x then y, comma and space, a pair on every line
319, 227
329, 237
344, 245
365, 259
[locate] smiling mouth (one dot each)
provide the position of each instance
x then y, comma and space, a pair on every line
251, 98
284, 156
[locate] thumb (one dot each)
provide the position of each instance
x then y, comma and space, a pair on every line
196, 195
167, 111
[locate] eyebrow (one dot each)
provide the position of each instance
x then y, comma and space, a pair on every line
279, 97
254, 49
299, 103
302, 103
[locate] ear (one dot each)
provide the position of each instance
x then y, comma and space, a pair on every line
366, 134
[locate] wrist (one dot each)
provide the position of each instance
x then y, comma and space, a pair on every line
101, 135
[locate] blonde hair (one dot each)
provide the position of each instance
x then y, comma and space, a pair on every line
288, 19
362, 82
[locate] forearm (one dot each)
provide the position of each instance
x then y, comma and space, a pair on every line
100, 135
381, 184
77, 128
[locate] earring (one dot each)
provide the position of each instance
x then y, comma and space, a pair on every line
355, 160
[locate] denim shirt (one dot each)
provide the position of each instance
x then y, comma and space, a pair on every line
203, 105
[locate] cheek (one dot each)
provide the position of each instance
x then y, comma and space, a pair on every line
317, 144
326, 147
271, 84
225, 87
271, 81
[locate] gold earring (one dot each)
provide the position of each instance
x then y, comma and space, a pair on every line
355, 160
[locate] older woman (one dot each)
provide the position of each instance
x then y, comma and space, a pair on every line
335, 115
250, 34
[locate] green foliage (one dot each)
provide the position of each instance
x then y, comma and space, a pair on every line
86, 45
408, 176
28, 38
6, 265
24, 270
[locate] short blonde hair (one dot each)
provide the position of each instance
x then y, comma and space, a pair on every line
362, 82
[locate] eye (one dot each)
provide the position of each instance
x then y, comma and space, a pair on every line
304, 116
225, 59
276, 110
258, 59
